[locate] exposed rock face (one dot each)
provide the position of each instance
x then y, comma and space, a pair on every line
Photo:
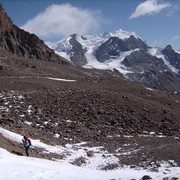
163, 80
24, 44
109, 49
151, 71
140, 61
77, 53
5, 22
114, 46
172, 56
134, 43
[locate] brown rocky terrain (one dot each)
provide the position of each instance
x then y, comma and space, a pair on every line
98, 107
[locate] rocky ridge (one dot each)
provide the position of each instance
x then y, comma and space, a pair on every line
24, 44
172, 57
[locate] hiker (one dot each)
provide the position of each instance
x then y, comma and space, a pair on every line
27, 143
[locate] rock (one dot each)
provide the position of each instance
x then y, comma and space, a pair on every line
172, 56
90, 153
114, 46
79, 161
77, 53
165, 178
146, 177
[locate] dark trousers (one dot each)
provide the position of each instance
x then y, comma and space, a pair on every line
27, 150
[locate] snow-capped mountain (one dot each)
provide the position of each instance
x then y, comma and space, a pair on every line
126, 52
88, 51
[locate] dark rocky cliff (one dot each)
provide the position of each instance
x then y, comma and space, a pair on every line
172, 56
24, 44
114, 46
77, 53
151, 71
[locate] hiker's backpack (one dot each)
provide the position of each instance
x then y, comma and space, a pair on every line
29, 141
25, 143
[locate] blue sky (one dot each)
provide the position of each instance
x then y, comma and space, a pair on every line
156, 21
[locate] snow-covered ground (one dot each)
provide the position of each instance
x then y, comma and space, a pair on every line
51, 78
13, 167
58, 79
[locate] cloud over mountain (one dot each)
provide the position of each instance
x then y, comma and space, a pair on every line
148, 7
175, 38
62, 20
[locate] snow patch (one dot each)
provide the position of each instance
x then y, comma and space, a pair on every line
14, 167
58, 79
177, 51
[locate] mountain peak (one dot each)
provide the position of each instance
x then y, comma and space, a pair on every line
5, 20
169, 47
105, 35
125, 34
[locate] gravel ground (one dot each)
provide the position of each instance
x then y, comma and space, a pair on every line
99, 107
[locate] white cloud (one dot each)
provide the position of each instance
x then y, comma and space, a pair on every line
175, 38
148, 7
63, 20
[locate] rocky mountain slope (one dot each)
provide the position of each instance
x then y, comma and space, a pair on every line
24, 44
129, 54
172, 57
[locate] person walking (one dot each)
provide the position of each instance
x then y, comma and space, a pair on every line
27, 143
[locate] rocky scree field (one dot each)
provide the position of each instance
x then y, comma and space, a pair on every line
138, 125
